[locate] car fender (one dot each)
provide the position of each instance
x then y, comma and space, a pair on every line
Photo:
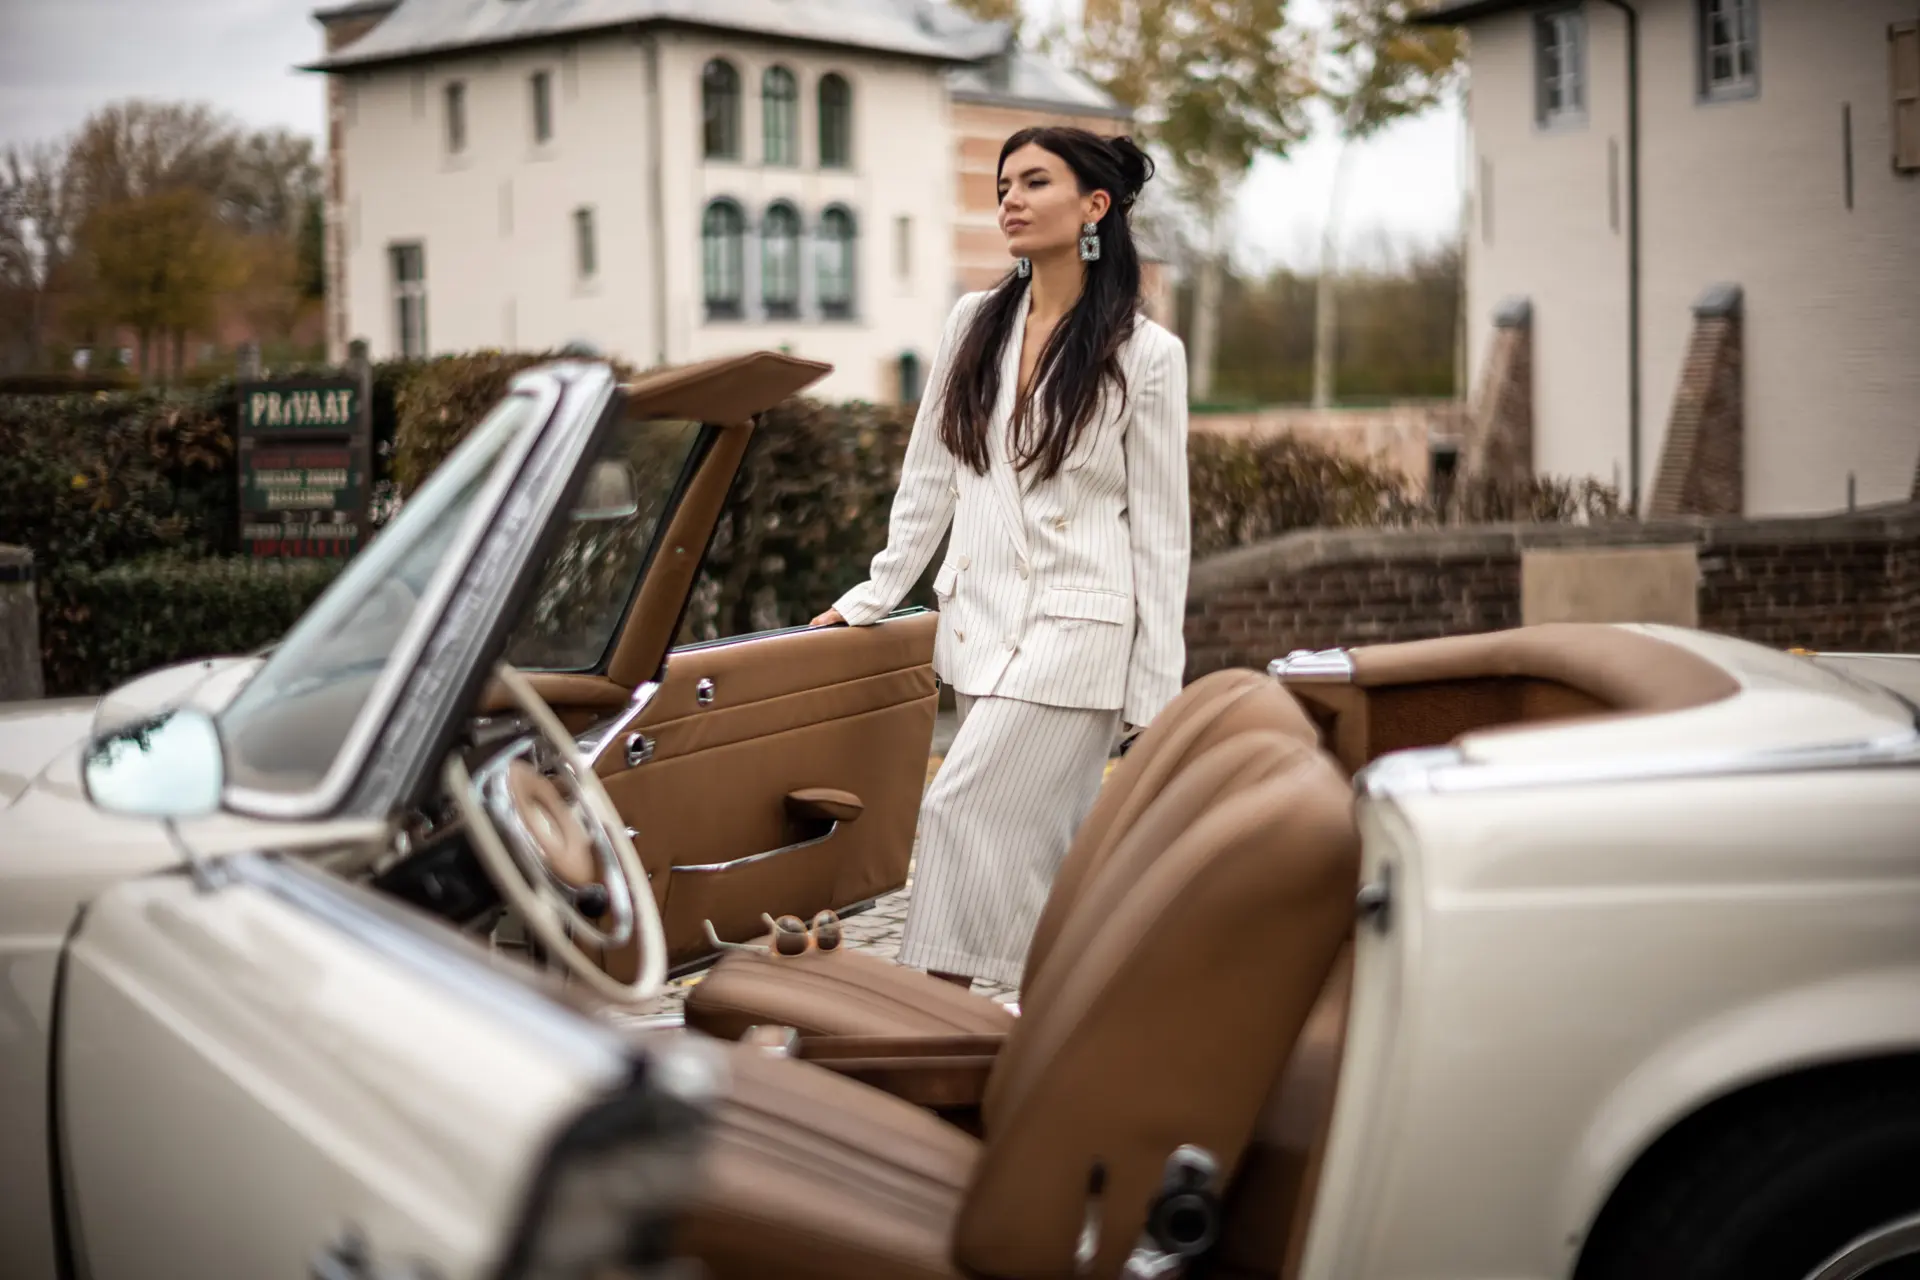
1856, 1015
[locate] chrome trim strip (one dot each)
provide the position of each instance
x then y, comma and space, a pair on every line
727, 642
548, 390
757, 857
1314, 666
1446, 770
593, 741
1888, 1242
431, 950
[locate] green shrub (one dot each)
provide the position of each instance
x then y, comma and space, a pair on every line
101, 627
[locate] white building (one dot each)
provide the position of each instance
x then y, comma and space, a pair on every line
1778, 155
666, 179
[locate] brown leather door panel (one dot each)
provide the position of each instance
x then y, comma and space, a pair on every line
738, 726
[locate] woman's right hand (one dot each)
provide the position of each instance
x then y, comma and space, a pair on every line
830, 618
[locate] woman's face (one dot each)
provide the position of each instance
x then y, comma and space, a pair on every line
1041, 207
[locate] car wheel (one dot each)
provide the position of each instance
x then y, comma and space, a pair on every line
1774, 1185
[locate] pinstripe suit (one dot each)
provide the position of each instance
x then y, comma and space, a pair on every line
1061, 605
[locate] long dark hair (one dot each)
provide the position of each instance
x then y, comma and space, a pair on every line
1084, 349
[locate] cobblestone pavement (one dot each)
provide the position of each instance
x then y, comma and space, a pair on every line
877, 929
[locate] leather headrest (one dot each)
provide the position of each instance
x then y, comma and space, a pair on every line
1207, 712
1185, 973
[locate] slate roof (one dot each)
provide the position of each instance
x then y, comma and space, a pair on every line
923, 29
1021, 78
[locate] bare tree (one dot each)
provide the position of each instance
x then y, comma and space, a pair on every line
1213, 84
1380, 68
39, 213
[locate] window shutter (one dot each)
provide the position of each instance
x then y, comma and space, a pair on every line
1903, 46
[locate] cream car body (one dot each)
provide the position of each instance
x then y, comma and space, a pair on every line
1597, 930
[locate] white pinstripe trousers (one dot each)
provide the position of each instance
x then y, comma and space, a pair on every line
995, 824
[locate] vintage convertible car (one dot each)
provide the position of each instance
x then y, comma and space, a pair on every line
1567, 951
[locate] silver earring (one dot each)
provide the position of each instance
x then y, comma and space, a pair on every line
1023, 267
1089, 242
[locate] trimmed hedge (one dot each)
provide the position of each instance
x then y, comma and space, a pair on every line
101, 627
104, 479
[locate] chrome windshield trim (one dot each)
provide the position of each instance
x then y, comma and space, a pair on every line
1447, 771
549, 389
726, 642
1314, 666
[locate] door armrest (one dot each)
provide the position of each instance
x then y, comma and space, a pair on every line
824, 804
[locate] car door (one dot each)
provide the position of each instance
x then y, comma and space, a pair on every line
719, 755
263, 1071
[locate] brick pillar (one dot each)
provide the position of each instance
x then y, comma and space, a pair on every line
1702, 460
1500, 426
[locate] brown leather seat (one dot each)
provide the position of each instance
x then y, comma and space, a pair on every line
1200, 945
851, 993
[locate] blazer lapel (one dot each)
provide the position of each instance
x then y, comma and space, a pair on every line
1002, 476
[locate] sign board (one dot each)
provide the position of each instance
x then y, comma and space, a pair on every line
305, 450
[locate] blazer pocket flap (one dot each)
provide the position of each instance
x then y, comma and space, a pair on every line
943, 581
1094, 606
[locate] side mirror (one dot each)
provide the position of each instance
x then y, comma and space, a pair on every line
169, 766
610, 493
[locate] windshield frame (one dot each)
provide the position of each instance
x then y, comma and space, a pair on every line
547, 391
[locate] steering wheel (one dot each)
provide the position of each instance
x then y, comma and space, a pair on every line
565, 865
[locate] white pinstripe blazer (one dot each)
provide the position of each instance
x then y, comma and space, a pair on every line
1069, 592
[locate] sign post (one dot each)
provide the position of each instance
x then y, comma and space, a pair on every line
305, 467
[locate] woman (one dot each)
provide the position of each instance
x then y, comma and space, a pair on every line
1054, 442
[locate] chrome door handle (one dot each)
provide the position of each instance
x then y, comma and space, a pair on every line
703, 691
639, 750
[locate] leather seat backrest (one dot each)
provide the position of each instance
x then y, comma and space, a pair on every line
1189, 965
1207, 712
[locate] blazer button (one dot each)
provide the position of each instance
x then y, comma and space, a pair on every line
1023, 568
966, 562
1012, 645
1060, 523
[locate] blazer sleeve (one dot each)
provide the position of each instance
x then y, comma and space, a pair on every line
1157, 501
922, 506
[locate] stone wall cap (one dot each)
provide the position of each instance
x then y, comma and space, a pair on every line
1313, 548
1719, 300
1514, 313
16, 564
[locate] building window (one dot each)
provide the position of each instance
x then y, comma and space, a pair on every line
1560, 54
903, 248
456, 117
722, 235
780, 261
1728, 44
586, 253
780, 115
834, 262
1904, 57
720, 108
408, 263
542, 87
836, 122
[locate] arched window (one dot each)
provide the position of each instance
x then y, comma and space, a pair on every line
833, 262
723, 235
720, 109
780, 115
836, 122
780, 260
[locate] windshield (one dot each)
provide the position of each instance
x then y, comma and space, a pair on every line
286, 728
587, 586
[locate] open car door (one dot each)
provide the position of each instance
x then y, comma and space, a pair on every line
777, 773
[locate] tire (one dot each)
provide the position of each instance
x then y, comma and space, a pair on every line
1771, 1184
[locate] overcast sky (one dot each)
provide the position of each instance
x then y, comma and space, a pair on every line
59, 59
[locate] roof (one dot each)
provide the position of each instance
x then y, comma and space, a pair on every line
1450, 13
1022, 78
903, 28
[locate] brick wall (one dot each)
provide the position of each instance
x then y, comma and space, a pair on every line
1838, 582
